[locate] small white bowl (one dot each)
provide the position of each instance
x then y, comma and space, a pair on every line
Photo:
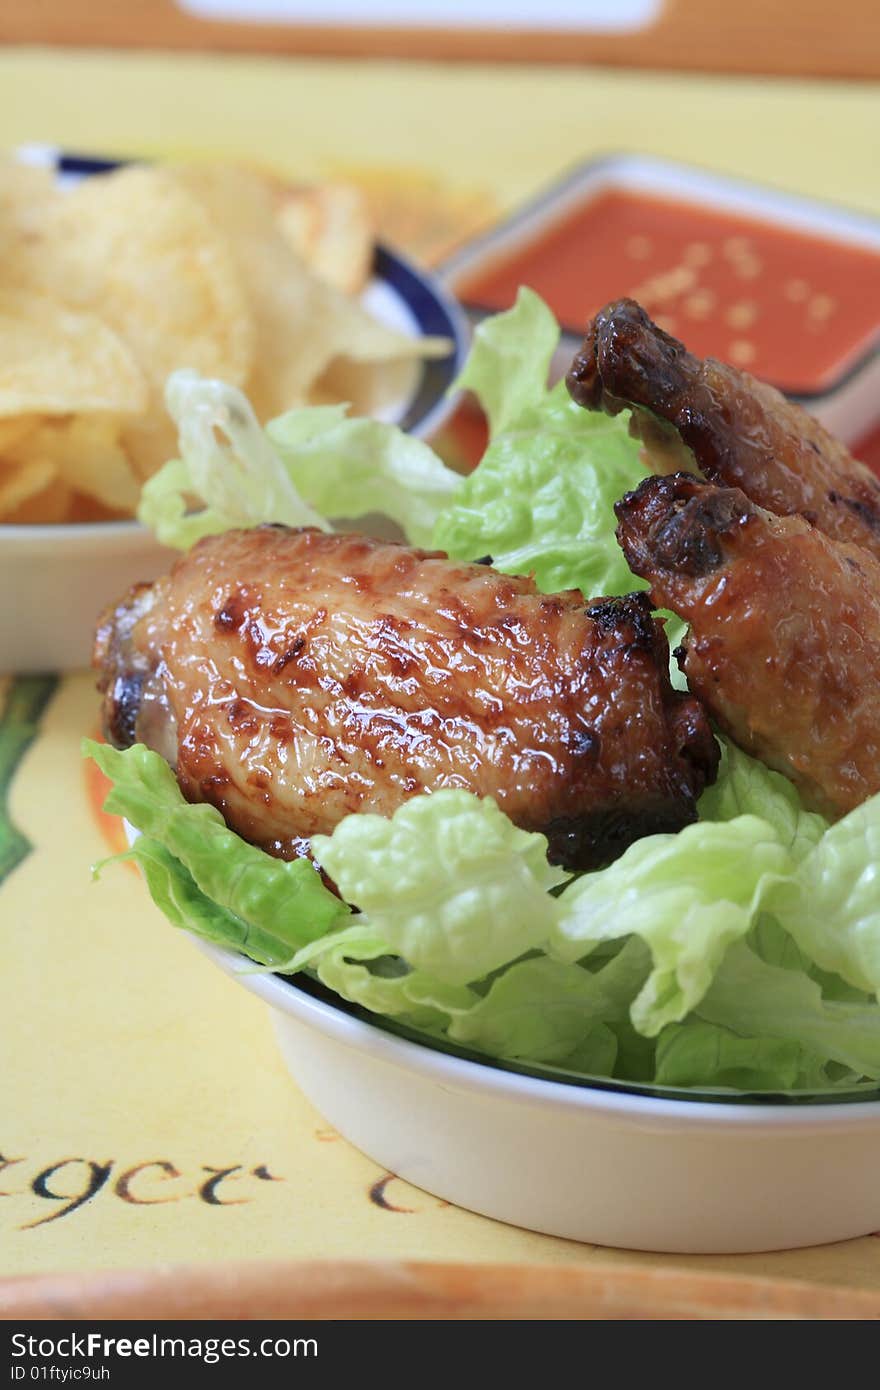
605, 1164
58, 579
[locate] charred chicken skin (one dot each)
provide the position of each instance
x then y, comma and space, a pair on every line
784, 643
738, 431
294, 677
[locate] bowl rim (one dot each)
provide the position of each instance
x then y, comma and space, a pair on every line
514, 1087
21, 533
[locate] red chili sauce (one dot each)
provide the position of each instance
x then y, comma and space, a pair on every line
794, 309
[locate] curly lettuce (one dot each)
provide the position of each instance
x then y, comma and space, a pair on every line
203, 875
686, 896
308, 465
450, 883
542, 499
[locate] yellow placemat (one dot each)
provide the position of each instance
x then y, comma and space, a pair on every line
130, 1068
503, 130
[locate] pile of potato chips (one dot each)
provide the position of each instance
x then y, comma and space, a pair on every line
109, 287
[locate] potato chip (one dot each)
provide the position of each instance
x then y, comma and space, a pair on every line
26, 196
421, 211
82, 508
301, 322
89, 459
294, 341
56, 360
24, 186
18, 484
328, 226
48, 507
135, 247
369, 390
149, 441
14, 428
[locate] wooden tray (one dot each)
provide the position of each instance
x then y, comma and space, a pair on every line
395, 1291
805, 38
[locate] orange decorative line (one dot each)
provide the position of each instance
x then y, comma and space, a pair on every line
97, 789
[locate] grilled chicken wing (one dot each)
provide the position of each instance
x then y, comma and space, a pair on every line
739, 431
784, 646
293, 677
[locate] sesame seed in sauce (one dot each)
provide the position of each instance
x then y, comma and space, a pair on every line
742, 314
700, 304
638, 248
796, 291
666, 285
736, 248
697, 254
741, 352
747, 267
820, 307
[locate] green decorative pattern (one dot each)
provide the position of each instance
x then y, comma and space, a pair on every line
26, 700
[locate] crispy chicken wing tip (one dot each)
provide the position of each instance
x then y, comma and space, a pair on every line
675, 524
625, 360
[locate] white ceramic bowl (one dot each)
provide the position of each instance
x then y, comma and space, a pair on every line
609, 1165
57, 580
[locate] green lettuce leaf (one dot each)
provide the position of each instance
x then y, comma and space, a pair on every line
831, 904
509, 360
746, 786
542, 500
696, 1053
596, 1055
688, 896
279, 905
448, 882
175, 892
358, 965
538, 1010
349, 468
769, 940
226, 462
308, 464
676, 630
757, 1000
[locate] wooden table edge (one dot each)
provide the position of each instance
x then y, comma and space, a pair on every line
395, 1290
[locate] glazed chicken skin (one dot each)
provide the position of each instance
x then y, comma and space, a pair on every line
293, 677
784, 644
738, 431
